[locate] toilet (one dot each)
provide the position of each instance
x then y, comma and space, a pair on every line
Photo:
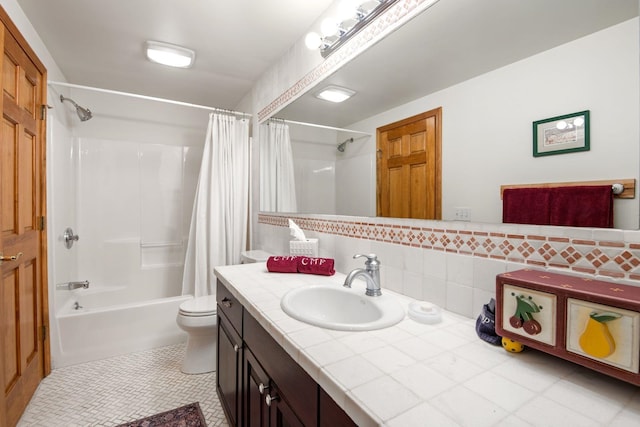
197, 317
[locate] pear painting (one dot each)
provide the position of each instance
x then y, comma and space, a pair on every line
596, 340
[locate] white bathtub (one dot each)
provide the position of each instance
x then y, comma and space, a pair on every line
105, 325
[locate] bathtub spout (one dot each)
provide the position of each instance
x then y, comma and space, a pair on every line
73, 285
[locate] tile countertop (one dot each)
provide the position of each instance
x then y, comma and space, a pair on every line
413, 374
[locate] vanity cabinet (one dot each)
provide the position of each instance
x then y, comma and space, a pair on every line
590, 322
229, 355
259, 384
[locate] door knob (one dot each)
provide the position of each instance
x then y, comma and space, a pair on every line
10, 258
69, 238
269, 399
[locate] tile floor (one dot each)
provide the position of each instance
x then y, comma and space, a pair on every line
120, 389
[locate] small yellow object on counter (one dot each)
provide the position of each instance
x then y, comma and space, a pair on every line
512, 346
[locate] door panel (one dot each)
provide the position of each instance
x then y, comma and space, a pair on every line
409, 167
22, 205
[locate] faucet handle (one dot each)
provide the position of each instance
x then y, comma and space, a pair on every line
372, 259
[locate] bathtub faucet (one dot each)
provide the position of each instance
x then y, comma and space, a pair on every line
73, 285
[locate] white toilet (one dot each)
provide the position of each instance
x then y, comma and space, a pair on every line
197, 317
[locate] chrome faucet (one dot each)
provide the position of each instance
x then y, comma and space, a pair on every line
73, 285
370, 273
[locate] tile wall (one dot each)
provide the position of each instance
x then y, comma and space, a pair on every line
454, 264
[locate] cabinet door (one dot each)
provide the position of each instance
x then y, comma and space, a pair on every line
604, 333
529, 313
256, 386
229, 370
280, 413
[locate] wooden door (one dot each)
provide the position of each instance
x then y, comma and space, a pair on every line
23, 294
409, 171
256, 387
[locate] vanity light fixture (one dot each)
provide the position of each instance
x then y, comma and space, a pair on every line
353, 15
335, 94
170, 54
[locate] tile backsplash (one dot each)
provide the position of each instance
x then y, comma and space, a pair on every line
454, 264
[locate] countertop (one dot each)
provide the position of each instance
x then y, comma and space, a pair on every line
414, 374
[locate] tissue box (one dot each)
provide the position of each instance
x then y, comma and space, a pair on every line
307, 247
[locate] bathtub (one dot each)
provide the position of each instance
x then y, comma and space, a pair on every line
98, 323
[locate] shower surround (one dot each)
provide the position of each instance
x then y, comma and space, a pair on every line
130, 203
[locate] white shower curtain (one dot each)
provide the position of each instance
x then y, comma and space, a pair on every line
218, 229
277, 181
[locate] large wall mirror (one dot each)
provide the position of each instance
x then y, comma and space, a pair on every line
495, 67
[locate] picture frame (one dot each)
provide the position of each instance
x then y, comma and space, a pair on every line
561, 134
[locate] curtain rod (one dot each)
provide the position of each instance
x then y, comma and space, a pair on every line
322, 126
150, 98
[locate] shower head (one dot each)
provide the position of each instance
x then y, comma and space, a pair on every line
342, 146
83, 113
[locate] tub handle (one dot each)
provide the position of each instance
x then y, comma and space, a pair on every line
227, 302
69, 238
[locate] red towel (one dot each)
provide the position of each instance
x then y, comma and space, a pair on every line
526, 205
582, 206
321, 266
283, 264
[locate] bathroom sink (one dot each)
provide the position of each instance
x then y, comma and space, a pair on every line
344, 309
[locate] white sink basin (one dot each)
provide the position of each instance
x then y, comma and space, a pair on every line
344, 309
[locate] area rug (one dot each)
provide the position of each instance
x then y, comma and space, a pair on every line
185, 416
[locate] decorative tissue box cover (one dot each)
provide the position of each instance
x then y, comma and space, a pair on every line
307, 247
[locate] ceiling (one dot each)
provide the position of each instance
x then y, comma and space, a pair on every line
100, 43
453, 41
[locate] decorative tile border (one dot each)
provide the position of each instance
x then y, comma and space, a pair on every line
617, 260
397, 15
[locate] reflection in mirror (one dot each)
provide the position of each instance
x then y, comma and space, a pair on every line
494, 69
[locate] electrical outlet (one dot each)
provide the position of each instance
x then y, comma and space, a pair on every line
463, 214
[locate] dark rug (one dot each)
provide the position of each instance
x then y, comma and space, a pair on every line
185, 416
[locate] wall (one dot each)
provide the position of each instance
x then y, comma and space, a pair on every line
454, 264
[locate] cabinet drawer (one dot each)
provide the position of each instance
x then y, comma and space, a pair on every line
229, 306
529, 313
607, 334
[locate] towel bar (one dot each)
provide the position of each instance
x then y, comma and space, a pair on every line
621, 188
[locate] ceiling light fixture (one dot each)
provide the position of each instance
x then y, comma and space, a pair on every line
169, 54
353, 15
335, 94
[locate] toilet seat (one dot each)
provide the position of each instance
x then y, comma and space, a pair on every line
199, 306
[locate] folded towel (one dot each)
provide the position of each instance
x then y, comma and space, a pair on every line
321, 266
283, 264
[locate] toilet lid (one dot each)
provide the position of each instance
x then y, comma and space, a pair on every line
199, 306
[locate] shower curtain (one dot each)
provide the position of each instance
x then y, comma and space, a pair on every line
277, 182
218, 230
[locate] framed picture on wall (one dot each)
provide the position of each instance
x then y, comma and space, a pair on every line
561, 134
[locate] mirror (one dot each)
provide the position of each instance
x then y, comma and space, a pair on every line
494, 67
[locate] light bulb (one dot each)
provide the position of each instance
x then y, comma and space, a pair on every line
329, 27
313, 40
578, 122
561, 125
347, 9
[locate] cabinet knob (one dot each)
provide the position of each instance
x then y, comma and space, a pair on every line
226, 302
262, 388
268, 399
236, 348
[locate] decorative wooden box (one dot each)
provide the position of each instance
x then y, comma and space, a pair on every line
590, 322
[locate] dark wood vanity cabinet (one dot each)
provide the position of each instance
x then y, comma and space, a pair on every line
258, 383
229, 356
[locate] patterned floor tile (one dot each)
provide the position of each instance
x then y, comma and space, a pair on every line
120, 389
